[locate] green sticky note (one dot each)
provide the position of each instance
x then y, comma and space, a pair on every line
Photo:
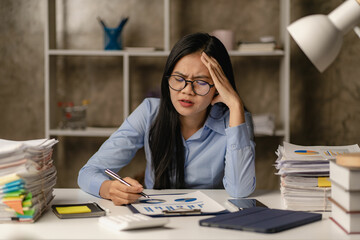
27, 213
15, 193
73, 209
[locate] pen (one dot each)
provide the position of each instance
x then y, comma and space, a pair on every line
102, 22
117, 177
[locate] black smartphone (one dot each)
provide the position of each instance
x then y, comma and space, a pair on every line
242, 203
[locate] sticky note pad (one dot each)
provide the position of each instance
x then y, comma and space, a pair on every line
73, 209
78, 210
324, 182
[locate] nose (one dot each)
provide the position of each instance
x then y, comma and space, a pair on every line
188, 89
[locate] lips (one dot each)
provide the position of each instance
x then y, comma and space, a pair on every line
186, 103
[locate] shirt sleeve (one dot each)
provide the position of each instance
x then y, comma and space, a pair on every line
239, 178
117, 151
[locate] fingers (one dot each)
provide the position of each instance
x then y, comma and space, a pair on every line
216, 72
211, 63
121, 194
133, 182
227, 94
214, 68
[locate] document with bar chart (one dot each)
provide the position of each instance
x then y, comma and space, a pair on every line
158, 204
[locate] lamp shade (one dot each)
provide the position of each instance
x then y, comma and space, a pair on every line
320, 36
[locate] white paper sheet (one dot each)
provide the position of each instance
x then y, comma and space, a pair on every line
194, 200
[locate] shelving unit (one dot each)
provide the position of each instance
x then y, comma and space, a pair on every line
51, 53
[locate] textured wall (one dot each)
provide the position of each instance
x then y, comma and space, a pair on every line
21, 69
324, 107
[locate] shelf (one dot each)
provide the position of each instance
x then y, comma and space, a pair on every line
105, 53
280, 133
88, 132
52, 54
256, 53
277, 133
67, 52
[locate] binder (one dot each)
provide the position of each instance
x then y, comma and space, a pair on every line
260, 219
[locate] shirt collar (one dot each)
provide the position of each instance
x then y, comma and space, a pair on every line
216, 119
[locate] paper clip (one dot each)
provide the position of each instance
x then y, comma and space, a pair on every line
182, 212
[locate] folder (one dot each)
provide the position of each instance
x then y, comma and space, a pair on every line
260, 219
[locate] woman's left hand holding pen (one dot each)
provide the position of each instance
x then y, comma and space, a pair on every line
119, 193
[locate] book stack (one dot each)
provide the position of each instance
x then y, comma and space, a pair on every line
264, 124
27, 178
345, 192
304, 173
257, 46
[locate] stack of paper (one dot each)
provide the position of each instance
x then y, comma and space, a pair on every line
264, 124
27, 178
345, 192
304, 172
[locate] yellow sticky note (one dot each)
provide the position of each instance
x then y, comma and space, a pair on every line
324, 182
73, 209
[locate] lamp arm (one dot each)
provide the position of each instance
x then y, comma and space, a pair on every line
346, 16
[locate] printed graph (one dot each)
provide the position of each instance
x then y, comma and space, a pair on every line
333, 153
306, 152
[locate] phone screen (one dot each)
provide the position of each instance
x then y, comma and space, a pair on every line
242, 203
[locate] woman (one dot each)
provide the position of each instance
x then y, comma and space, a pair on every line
197, 135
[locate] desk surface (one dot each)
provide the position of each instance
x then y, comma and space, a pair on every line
49, 226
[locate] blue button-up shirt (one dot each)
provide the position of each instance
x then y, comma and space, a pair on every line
216, 156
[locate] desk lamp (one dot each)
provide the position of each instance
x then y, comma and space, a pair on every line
320, 36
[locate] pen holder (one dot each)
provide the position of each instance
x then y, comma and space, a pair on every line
112, 36
112, 39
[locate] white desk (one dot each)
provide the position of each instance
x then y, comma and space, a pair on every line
49, 226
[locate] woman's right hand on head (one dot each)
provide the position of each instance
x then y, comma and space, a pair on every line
119, 193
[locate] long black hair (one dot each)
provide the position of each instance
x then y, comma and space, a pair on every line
165, 139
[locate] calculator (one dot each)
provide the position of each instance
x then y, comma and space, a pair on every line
131, 221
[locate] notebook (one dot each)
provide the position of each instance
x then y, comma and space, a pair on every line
260, 219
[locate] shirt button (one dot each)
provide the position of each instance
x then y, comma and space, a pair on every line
233, 146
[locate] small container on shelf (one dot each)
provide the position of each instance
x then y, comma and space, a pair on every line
73, 117
112, 36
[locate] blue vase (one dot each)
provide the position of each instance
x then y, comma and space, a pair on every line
112, 36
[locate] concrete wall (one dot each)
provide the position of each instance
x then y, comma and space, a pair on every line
324, 107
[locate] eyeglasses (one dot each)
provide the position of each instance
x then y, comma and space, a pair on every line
199, 87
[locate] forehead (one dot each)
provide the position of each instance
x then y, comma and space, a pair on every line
191, 65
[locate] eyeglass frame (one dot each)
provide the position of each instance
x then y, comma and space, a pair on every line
191, 82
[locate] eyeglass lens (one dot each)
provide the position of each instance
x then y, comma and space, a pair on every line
178, 83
